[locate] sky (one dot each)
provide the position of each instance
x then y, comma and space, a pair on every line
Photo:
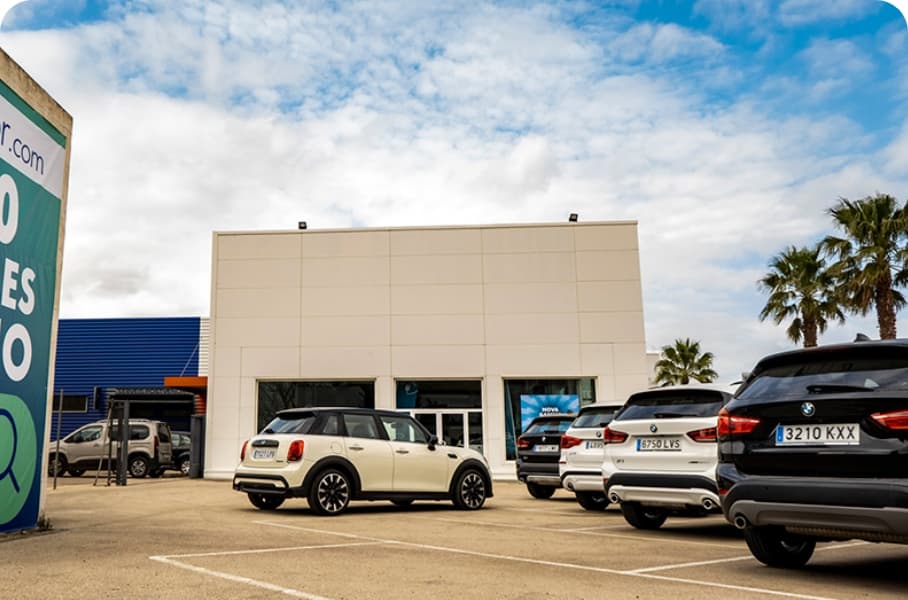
725, 128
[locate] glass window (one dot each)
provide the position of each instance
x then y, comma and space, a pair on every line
73, 403
278, 395
361, 426
439, 394
328, 424
526, 399
596, 417
668, 404
296, 422
87, 434
403, 429
549, 426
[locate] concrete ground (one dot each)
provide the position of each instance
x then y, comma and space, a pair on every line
180, 538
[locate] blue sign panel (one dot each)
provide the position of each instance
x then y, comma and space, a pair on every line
534, 405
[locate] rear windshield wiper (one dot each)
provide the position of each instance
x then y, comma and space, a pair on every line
831, 388
672, 415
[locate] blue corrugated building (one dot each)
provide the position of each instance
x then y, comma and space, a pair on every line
97, 357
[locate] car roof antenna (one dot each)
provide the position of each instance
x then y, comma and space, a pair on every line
861, 338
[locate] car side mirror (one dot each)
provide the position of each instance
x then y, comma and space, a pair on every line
433, 441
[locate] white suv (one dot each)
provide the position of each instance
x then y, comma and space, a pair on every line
580, 467
661, 453
331, 456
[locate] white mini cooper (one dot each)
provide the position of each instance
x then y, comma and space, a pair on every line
331, 456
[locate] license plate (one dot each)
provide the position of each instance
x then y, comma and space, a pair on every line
659, 444
545, 448
595, 445
833, 434
262, 454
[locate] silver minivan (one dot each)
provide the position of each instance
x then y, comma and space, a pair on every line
90, 446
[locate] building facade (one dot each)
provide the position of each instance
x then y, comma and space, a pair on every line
471, 329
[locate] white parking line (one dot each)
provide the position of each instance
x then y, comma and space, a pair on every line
171, 560
712, 584
581, 532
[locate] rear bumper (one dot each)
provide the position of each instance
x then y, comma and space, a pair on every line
541, 473
582, 481
871, 509
264, 484
663, 490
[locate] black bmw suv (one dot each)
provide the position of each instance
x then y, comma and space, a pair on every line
814, 447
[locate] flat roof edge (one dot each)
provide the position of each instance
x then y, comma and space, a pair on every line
427, 227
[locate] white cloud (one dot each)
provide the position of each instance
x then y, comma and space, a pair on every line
735, 15
803, 12
380, 115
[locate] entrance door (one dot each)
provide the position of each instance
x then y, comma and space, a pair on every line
453, 427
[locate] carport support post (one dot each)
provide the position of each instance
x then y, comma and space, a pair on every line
123, 456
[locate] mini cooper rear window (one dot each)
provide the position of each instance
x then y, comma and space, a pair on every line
828, 374
290, 423
670, 404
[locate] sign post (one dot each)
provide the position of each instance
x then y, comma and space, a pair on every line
34, 168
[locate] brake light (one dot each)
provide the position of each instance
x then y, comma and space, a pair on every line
295, 451
243, 451
730, 426
897, 420
613, 436
569, 441
703, 435
522, 443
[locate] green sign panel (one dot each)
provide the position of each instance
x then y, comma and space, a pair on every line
32, 157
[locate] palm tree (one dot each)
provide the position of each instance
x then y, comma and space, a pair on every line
683, 362
870, 256
801, 288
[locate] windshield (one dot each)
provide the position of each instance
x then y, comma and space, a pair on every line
598, 417
828, 375
673, 404
291, 423
549, 426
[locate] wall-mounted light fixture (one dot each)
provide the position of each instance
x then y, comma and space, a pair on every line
572, 217
302, 224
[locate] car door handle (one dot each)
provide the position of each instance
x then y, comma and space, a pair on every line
357, 448
402, 451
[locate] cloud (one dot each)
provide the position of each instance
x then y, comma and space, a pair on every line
803, 12
735, 15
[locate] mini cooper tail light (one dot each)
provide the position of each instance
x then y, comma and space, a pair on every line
569, 441
896, 421
522, 443
613, 436
703, 435
295, 451
730, 426
243, 451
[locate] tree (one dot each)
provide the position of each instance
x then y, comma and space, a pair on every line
802, 289
683, 362
870, 257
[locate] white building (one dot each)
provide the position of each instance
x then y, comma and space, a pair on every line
461, 326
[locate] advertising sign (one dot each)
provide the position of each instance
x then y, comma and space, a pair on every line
32, 166
534, 405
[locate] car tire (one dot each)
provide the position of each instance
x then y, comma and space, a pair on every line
61, 465
402, 502
330, 492
592, 500
75, 471
775, 547
184, 465
470, 490
543, 492
138, 466
643, 517
265, 501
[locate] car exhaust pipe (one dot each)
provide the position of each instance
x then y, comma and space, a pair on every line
740, 522
708, 504
614, 498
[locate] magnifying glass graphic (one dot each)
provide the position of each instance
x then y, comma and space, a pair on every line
7, 471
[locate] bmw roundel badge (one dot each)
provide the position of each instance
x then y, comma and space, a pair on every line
653, 428
808, 409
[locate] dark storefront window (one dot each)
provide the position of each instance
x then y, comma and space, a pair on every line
451, 410
71, 403
527, 398
278, 395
